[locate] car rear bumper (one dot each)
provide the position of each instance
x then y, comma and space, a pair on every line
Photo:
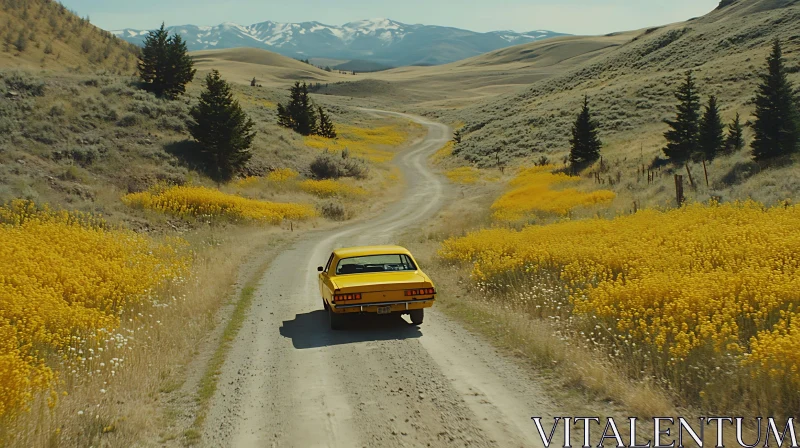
373, 307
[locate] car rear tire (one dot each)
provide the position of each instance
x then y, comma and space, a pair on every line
335, 320
325, 305
417, 316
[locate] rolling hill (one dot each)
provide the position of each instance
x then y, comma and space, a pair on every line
631, 82
44, 34
241, 65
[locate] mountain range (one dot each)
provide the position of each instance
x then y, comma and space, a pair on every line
382, 41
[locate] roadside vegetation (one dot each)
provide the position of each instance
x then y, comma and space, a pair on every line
690, 296
128, 215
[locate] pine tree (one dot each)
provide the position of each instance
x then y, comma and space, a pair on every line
326, 128
284, 119
222, 129
585, 141
712, 132
299, 113
181, 67
776, 126
153, 60
682, 139
165, 66
735, 140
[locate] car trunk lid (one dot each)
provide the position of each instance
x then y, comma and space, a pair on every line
379, 282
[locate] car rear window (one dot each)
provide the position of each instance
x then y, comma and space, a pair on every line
375, 263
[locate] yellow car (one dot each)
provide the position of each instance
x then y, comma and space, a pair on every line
374, 279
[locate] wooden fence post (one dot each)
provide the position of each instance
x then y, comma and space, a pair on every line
705, 170
679, 189
691, 180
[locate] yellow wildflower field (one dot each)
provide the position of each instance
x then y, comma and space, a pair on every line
282, 175
206, 202
328, 188
443, 152
368, 143
466, 175
66, 277
704, 279
532, 191
278, 177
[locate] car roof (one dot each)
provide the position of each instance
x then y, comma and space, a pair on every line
348, 252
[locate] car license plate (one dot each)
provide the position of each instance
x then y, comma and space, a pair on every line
385, 310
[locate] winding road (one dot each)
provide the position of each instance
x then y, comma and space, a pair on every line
289, 381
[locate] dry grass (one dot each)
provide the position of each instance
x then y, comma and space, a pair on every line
118, 410
541, 342
575, 366
540, 302
82, 142
241, 65
41, 34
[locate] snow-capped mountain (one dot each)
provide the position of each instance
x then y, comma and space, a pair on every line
379, 40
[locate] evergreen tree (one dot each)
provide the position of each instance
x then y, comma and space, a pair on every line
165, 66
284, 119
181, 67
682, 139
299, 113
735, 140
712, 132
222, 128
585, 141
776, 126
326, 128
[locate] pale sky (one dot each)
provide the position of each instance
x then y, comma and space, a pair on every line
567, 16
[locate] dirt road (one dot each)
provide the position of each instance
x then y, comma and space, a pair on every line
289, 381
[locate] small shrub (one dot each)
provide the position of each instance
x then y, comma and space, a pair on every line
23, 83
333, 210
128, 120
171, 123
149, 109
118, 89
6, 125
42, 132
84, 156
111, 114
57, 110
356, 168
327, 166
330, 166
72, 173
86, 45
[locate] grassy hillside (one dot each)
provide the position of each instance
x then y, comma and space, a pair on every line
631, 88
241, 65
44, 34
82, 141
98, 144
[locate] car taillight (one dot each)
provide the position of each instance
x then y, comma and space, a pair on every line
346, 297
420, 292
